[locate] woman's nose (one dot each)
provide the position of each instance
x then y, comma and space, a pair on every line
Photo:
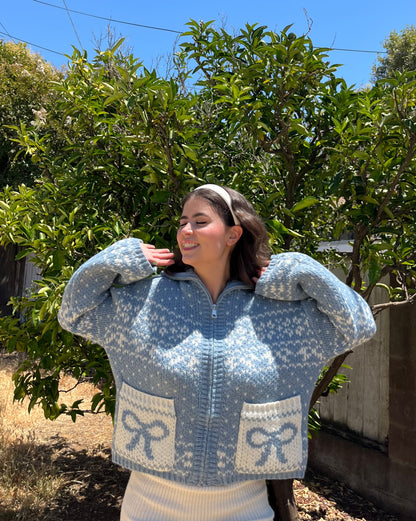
187, 229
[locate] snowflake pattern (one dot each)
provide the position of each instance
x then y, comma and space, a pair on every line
206, 400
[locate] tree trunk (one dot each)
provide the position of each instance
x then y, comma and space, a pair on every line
282, 499
328, 376
281, 496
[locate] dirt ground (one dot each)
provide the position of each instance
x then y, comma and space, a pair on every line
88, 486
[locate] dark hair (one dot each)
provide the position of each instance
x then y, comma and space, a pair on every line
252, 251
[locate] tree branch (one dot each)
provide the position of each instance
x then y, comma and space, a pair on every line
322, 386
406, 161
354, 275
377, 308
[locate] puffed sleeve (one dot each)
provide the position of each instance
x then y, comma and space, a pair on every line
298, 277
89, 296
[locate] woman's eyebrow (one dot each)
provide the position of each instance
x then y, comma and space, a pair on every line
199, 214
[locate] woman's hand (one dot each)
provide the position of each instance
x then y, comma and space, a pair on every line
158, 257
260, 273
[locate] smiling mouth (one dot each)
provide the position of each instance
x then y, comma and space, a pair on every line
188, 246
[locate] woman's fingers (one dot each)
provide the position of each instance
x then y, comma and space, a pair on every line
147, 249
162, 257
260, 273
157, 256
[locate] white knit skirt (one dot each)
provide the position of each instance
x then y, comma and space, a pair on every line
150, 498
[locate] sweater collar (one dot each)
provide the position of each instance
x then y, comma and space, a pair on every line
190, 275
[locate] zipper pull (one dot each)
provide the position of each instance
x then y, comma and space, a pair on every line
214, 311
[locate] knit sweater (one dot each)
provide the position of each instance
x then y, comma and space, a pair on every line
211, 394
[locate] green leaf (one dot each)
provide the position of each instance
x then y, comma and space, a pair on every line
368, 199
388, 212
304, 203
160, 197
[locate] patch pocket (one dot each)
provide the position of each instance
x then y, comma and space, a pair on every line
145, 429
270, 437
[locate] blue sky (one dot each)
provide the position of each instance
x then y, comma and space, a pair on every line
360, 25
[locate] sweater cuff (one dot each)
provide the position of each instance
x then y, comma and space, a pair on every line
128, 259
278, 282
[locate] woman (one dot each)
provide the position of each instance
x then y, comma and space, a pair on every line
215, 359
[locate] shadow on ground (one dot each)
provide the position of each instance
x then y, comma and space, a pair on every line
92, 486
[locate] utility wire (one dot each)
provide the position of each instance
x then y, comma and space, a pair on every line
174, 31
32, 44
7, 32
73, 25
62, 54
356, 50
110, 19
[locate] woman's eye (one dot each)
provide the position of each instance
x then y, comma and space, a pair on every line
198, 223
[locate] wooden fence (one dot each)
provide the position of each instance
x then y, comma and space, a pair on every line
361, 407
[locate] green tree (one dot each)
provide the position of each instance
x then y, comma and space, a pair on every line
319, 158
267, 115
25, 94
113, 162
400, 54
264, 131
373, 184
124, 145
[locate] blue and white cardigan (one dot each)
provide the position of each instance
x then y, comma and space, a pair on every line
213, 394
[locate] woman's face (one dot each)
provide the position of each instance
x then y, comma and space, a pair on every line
204, 240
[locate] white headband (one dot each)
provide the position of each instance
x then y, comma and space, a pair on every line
224, 195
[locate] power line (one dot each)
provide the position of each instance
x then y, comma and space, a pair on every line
32, 44
72, 23
7, 32
62, 54
110, 19
172, 30
356, 50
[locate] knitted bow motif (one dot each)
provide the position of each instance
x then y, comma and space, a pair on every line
153, 431
260, 438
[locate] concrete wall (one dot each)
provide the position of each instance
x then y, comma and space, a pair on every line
385, 473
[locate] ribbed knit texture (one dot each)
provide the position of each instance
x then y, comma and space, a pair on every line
150, 498
210, 395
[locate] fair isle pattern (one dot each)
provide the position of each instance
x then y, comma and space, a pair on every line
209, 398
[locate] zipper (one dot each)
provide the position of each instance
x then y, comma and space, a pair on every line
211, 387
214, 311
211, 398
214, 316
